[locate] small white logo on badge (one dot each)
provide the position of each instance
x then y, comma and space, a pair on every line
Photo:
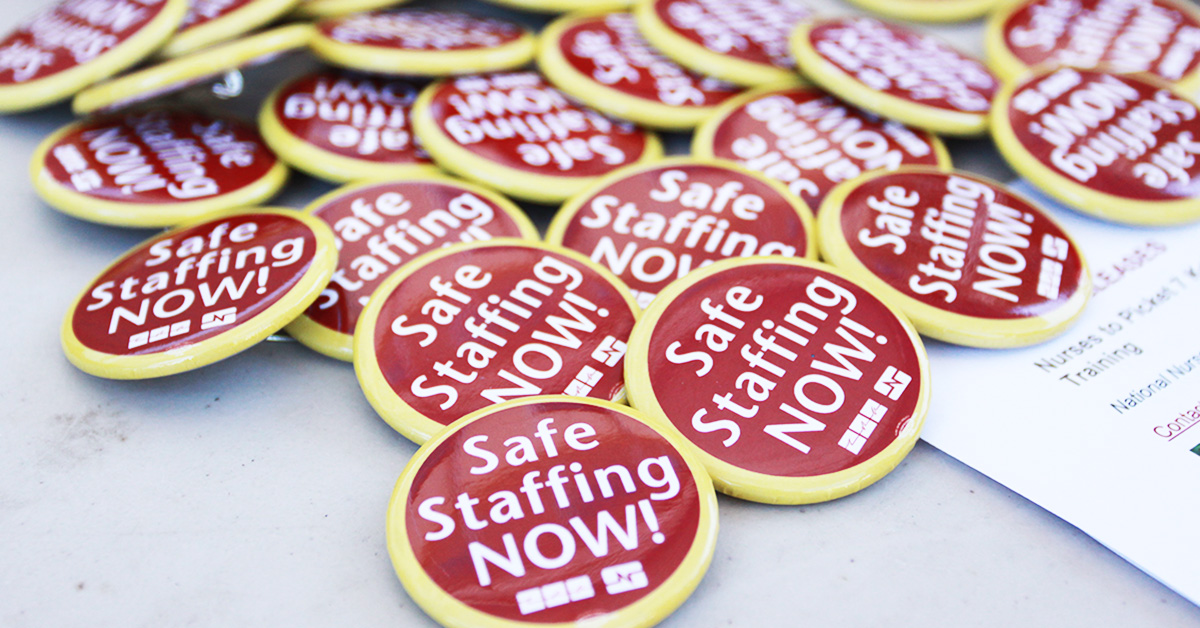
555, 594
624, 577
219, 318
893, 383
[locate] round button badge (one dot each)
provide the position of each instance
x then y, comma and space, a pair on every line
183, 72
516, 133
744, 42
603, 61
794, 384
897, 73
473, 325
213, 21
198, 294
310, 9
1120, 147
552, 511
342, 126
381, 226
929, 10
1160, 37
423, 43
562, 6
651, 225
811, 141
71, 45
154, 169
966, 260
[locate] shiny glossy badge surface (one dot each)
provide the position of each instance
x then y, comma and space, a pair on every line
897, 72
810, 140
423, 43
653, 224
967, 260
552, 512
154, 168
795, 384
198, 294
531, 142
473, 325
741, 41
1132, 161
382, 225
345, 126
603, 61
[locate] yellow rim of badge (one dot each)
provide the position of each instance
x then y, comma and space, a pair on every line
148, 215
938, 11
334, 8
603, 98
238, 338
562, 6
564, 216
62, 85
742, 483
530, 186
233, 24
649, 610
322, 163
933, 321
1074, 194
1009, 68
188, 70
700, 59
404, 418
341, 346
704, 140
395, 61
848, 88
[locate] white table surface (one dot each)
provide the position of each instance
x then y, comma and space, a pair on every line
253, 492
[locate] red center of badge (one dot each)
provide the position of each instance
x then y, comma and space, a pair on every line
379, 228
69, 34
552, 513
751, 30
519, 121
195, 284
496, 323
421, 30
655, 226
159, 157
1124, 36
610, 50
352, 115
784, 370
960, 244
1119, 135
811, 141
205, 11
905, 64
